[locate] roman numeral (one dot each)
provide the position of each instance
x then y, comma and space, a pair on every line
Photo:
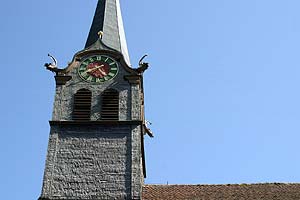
84, 74
90, 78
111, 74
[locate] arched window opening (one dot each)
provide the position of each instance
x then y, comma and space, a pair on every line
110, 105
82, 105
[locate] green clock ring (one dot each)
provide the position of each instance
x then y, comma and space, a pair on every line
98, 69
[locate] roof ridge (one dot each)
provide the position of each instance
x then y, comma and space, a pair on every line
225, 184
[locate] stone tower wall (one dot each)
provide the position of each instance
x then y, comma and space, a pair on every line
94, 162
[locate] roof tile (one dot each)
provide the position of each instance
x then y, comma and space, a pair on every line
268, 191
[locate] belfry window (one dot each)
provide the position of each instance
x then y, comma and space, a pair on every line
110, 105
82, 105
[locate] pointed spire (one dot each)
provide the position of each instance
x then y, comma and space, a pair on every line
108, 21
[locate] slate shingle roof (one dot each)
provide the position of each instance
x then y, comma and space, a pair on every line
269, 191
98, 23
108, 19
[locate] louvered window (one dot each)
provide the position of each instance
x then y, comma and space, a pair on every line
82, 105
110, 105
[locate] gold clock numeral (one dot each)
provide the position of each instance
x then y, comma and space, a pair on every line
98, 80
84, 74
113, 68
89, 78
111, 74
98, 58
112, 63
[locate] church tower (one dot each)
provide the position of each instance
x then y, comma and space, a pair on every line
96, 143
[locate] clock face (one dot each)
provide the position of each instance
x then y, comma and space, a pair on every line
98, 69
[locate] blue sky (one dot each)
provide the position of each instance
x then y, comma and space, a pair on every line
222, 91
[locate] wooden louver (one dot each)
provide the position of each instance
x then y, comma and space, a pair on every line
110, 105
82, 105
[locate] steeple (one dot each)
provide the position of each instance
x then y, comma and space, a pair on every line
108, 20
96, 142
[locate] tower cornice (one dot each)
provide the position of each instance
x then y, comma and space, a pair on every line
91, 123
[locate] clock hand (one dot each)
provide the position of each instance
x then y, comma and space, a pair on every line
93, 69
102, 72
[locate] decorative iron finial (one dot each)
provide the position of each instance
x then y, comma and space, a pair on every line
100, 33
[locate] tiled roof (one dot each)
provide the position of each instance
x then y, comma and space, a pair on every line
268, 191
